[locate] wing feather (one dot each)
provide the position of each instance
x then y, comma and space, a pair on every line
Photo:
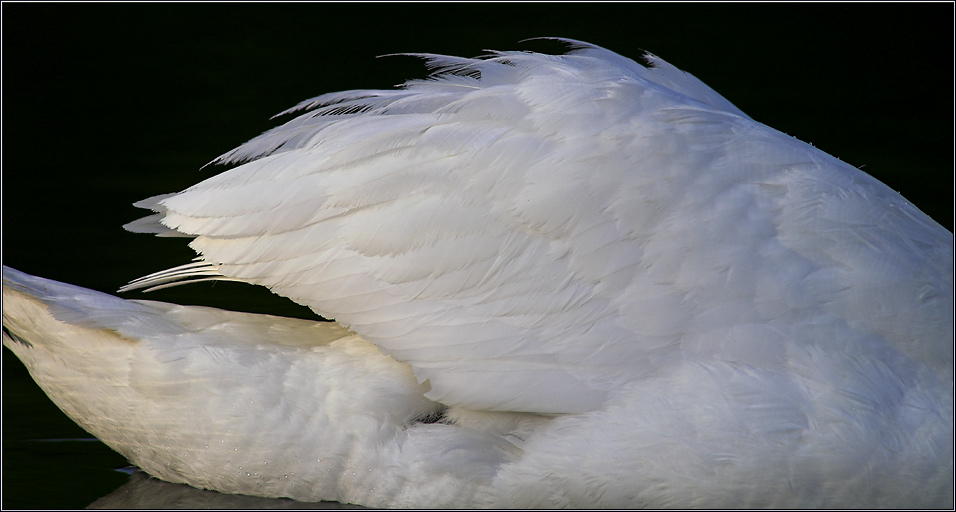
529, 231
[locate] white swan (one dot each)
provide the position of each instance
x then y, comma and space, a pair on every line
561, 281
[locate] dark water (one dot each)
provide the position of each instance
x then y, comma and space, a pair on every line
104, 105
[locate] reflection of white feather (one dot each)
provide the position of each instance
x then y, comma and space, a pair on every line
626, 292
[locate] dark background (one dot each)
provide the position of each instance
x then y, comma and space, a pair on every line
106, 104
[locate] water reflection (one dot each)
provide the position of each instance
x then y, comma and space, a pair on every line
145, 492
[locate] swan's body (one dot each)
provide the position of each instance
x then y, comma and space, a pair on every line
597, 284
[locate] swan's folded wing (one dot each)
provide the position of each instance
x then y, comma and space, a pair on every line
527, 231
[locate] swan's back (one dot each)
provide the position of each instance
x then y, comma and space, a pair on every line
617, 289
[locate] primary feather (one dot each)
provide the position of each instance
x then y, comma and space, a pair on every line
653, 298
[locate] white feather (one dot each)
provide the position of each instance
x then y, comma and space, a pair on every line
528, 203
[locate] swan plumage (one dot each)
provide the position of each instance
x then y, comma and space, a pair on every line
568, 280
